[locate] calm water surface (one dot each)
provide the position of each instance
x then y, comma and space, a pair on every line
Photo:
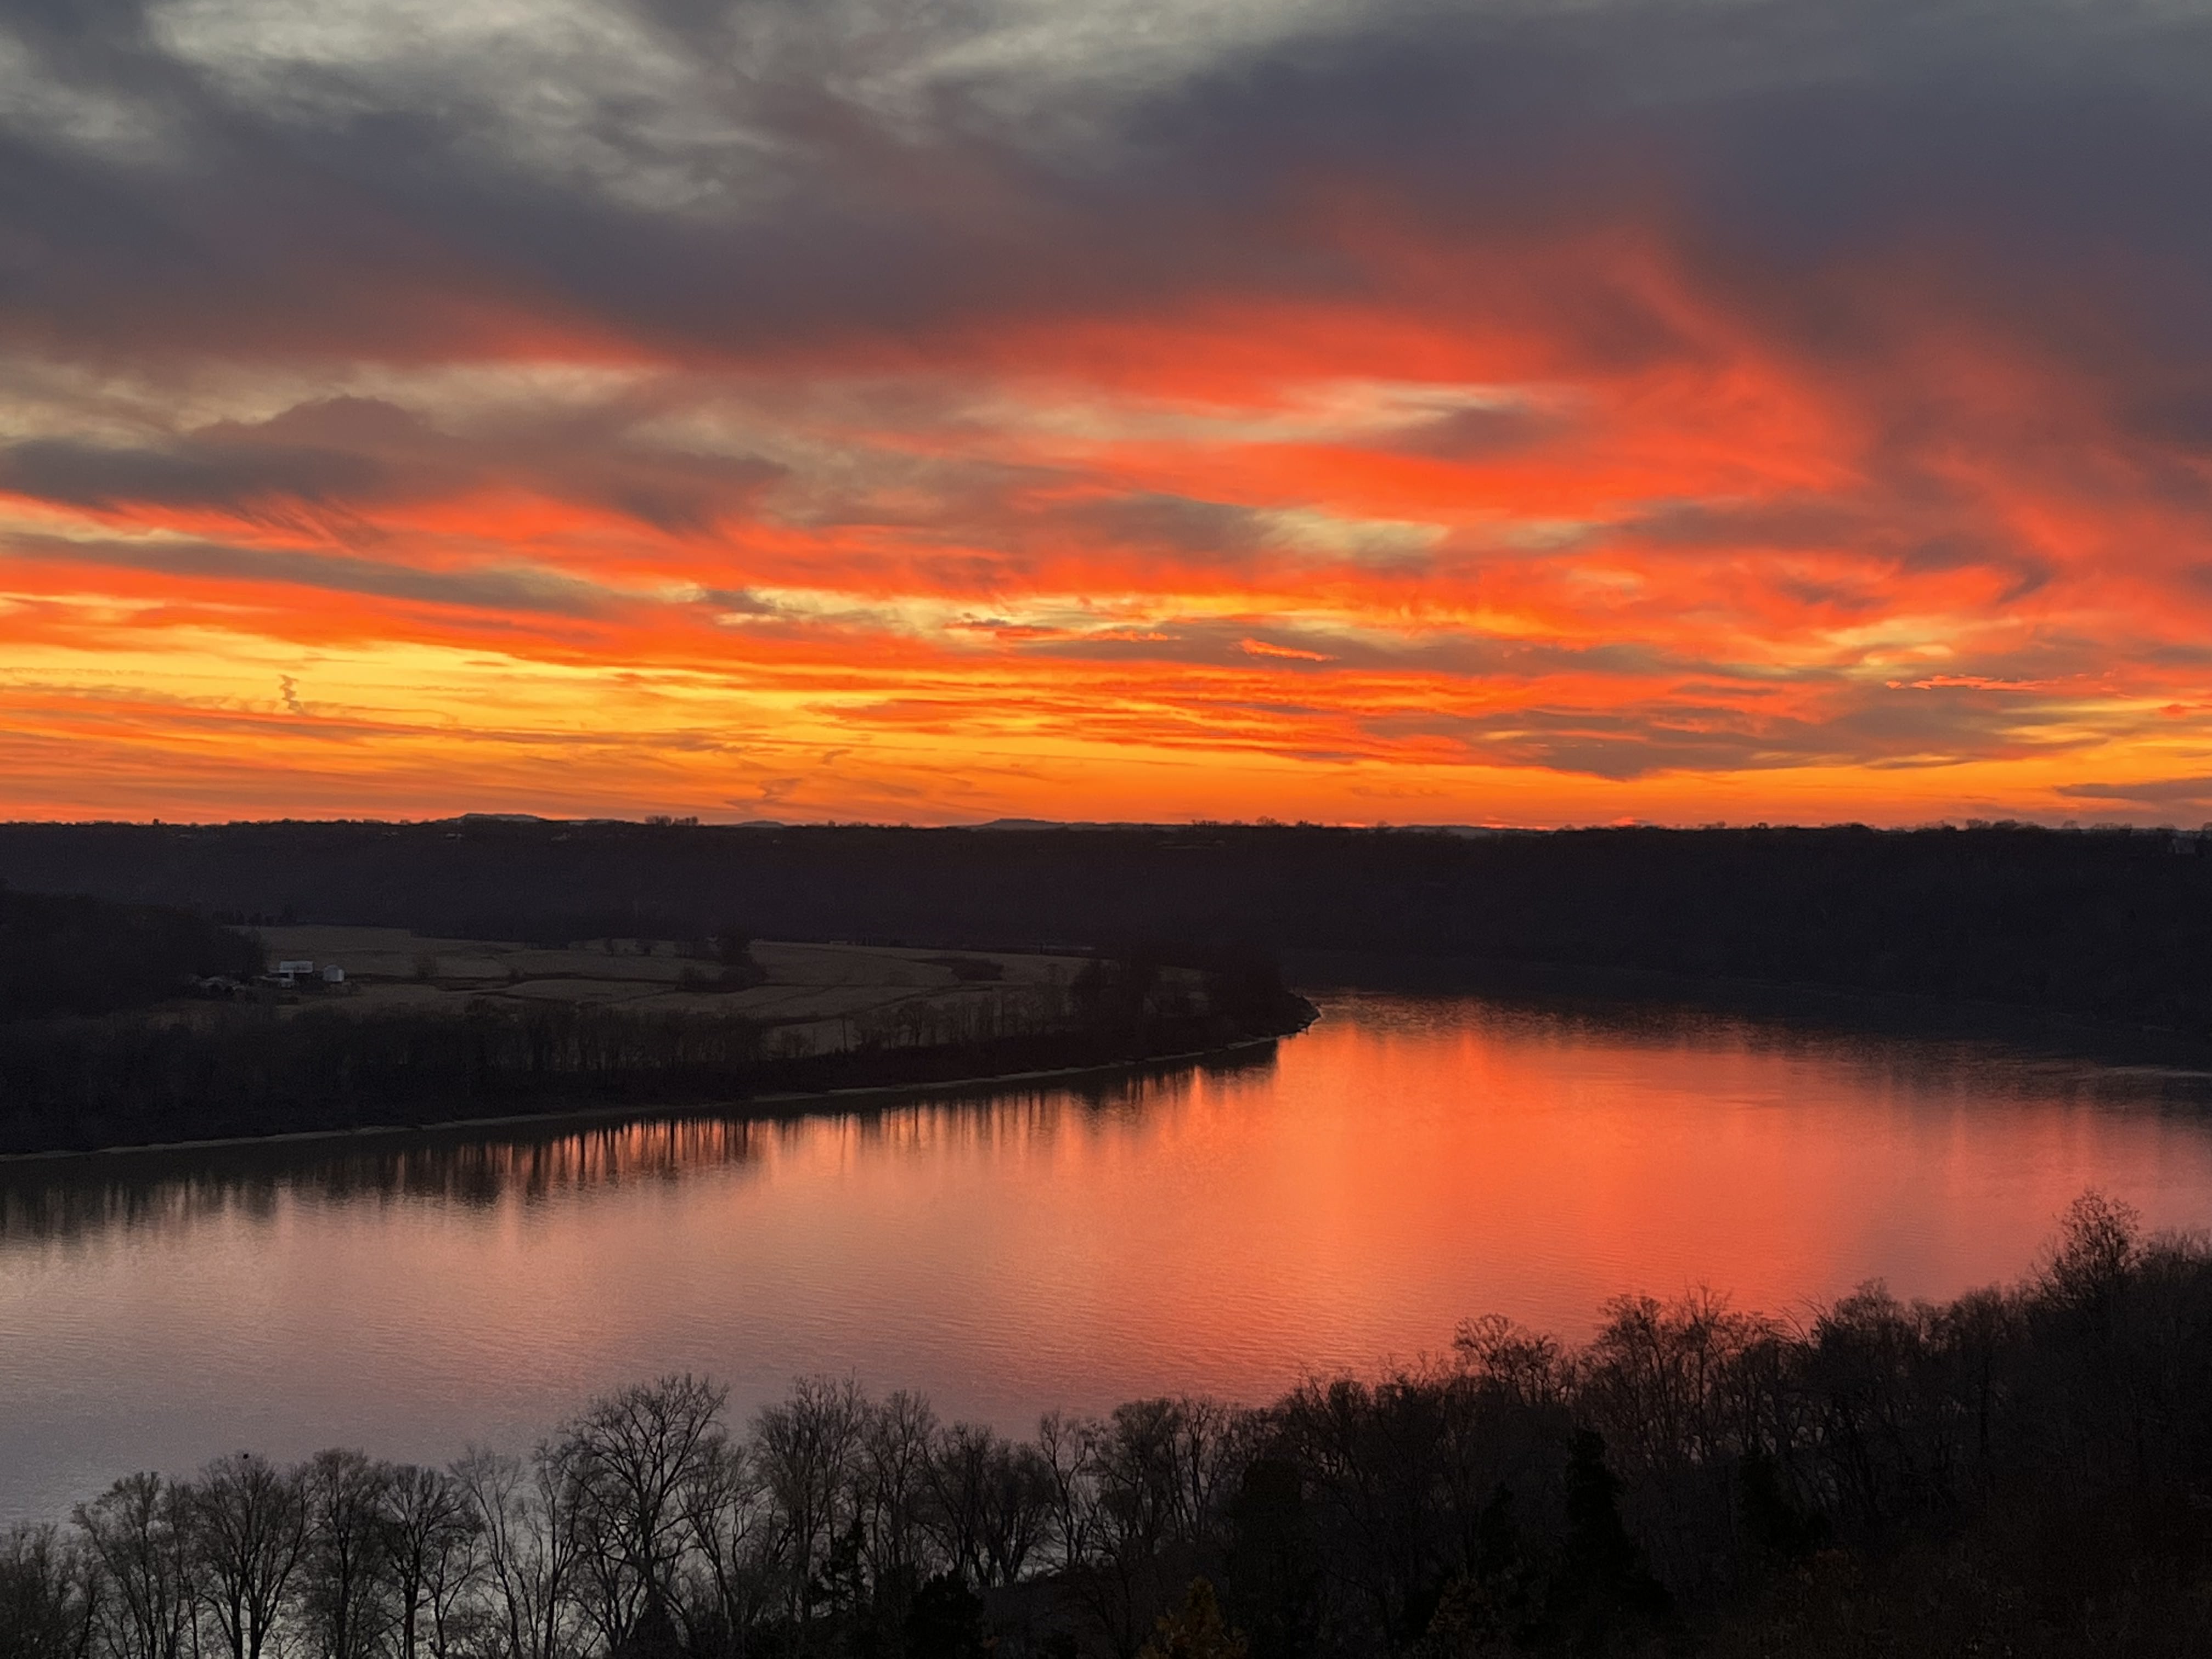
1405, 1165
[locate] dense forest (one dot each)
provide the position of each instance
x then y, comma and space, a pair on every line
62, 955
2025, 1471
2109, 925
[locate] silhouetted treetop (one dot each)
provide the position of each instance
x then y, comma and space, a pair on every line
1997, 1474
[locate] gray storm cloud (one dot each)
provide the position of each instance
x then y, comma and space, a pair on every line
264, 176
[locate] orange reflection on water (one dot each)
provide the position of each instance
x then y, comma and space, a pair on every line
1405, 1165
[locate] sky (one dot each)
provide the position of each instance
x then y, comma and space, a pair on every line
1507, 411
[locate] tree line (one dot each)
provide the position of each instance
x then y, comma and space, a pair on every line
2022, 1470
70, 954
2109, 925
140, 1078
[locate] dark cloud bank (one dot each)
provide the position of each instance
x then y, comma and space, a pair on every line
179, 185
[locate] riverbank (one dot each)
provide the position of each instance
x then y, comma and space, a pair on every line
1633, 995
356, 1029
77, 1088
765, 1108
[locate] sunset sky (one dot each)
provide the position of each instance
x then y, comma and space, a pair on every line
1523, 411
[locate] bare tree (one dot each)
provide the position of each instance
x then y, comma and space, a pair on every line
631, 1457
992, 1503
344, 1595
1063, 1443
1137, 1454
48, 1588
805, 1449
526, 1522
729, 1528
137, 1530
1018, 1493
1140, 1516
431, 1532
249, 1535
1208, 1454
896, 1443
959, 1475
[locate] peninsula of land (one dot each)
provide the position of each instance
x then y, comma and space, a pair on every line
134, 1025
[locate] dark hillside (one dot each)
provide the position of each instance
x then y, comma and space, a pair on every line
2109, 925
73, 955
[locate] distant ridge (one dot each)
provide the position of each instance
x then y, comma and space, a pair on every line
2111, 927
1472, 830
1068, 824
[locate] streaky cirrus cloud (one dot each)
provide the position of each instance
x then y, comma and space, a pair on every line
1516, 412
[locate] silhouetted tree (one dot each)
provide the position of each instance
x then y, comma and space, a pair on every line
2019, 1471
531, 1543
48, 1594
432, 1532
140, 1532
630, 1460
344, 1588
1603, 1587
1273, 1565
807, 1449
249, 1536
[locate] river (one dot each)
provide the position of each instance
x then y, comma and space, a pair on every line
1407, 1163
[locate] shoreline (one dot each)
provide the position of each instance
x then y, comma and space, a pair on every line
1840, 1009
769, 1107
1623, 992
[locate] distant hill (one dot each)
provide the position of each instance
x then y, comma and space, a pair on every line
2110, 926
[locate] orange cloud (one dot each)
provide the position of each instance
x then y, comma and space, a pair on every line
1551, 523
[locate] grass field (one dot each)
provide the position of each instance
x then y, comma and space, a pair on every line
811, 996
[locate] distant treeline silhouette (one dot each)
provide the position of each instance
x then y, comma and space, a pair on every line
2098, 925
129, 1078
2025, 1472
